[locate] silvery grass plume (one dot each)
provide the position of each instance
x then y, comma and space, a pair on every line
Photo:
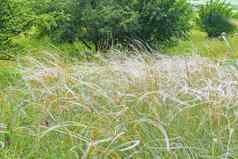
128, 106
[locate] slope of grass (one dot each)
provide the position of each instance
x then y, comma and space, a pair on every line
201, 45
139, 107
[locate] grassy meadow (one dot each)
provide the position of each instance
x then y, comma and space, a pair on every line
63, 101
200, 44
178, 104
138, 106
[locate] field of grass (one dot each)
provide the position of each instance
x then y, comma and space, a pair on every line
200, 44
138, 107
57, 104
64, 101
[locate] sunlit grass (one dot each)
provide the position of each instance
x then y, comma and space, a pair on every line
121, 107
200, 44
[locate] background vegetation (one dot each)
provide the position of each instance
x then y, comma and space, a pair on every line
99, 26
215, 18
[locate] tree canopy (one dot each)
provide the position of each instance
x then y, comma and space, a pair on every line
99, 24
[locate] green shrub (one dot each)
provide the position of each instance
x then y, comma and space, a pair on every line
100, 24
5, 17
215, 18
163, 21
106, 23
13, 21
51, 19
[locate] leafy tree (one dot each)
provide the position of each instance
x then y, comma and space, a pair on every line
99, 24
106, 23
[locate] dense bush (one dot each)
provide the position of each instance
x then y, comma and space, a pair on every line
17, 16
215, 18
98, 24
13, 21
163, 20
102, 23
5, 17
50, 18
128, 22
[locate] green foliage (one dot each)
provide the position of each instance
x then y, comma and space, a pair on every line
215, 18
18, 16
129, 23
5, 17
102, 23
13, 21
98, 24
50, 18
164, 20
